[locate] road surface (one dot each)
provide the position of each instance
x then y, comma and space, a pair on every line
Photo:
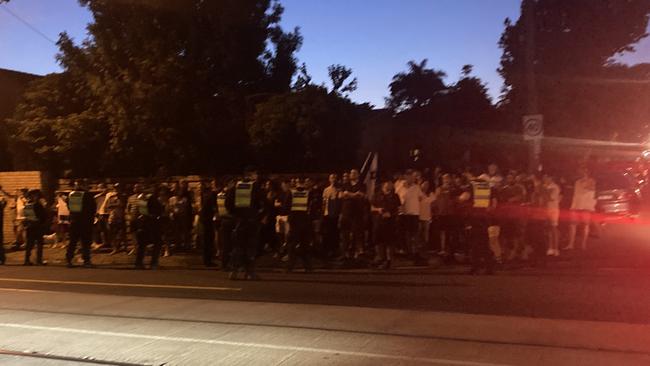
584, 309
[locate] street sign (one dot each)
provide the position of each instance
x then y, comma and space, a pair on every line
533, 126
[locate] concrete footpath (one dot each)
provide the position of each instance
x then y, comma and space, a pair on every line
147, 331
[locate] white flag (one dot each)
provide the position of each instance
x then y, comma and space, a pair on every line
369, 172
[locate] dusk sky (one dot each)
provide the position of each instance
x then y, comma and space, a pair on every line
375, 38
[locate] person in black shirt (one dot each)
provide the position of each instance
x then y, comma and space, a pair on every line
206, 215
299, 242
246, 203
149, 230
353, 194
82, 215
385, 206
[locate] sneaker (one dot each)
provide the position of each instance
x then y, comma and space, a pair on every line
131, 252
41, 263
113, 252
27, 263
88, 265
166, 254
568, 247
550, 252
233, 276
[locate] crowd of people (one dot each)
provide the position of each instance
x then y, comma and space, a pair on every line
484, 219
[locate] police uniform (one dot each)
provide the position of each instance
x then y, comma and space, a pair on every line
246, 203
34, 222
479, 219
148, 229
300, 233
82, 214
226, 226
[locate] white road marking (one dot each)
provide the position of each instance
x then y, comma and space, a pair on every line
435, 361
115, 284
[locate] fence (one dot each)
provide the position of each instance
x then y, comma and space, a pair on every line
12, 182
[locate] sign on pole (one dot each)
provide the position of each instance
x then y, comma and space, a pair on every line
533, 127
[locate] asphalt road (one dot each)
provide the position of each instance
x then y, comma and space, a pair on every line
75, 313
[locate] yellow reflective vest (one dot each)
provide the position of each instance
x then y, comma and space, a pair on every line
143, 204
221, 204
75, 201
30, 213
482, 193
243, 194
299, 200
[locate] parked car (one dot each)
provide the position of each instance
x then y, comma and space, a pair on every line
618, 195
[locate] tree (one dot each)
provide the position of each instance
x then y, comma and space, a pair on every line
307, 129
415, 88
338, 75
575, 41
54, 130
172, 81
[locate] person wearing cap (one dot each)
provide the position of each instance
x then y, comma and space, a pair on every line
483, 204
82, 214
298, 244
34, 222
246, 203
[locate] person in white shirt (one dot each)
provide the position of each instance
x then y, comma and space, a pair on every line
492, 176
19, 228
551, 200
582, 206
410, 195
425, 212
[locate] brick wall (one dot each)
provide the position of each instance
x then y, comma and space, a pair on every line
12, 182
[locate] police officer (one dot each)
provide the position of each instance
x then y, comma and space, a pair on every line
300, 224
82, 214
483, 203
35, 217
226, 225
207, 216
148, 229
246, 203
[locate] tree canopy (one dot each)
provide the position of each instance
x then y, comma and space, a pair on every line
576, 44
169, 82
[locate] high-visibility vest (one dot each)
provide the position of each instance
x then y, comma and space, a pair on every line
75, 201
143, 204
481, 194
30, 213
243, 194
221, 204
299, 200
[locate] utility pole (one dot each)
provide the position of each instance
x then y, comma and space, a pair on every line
532, 108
